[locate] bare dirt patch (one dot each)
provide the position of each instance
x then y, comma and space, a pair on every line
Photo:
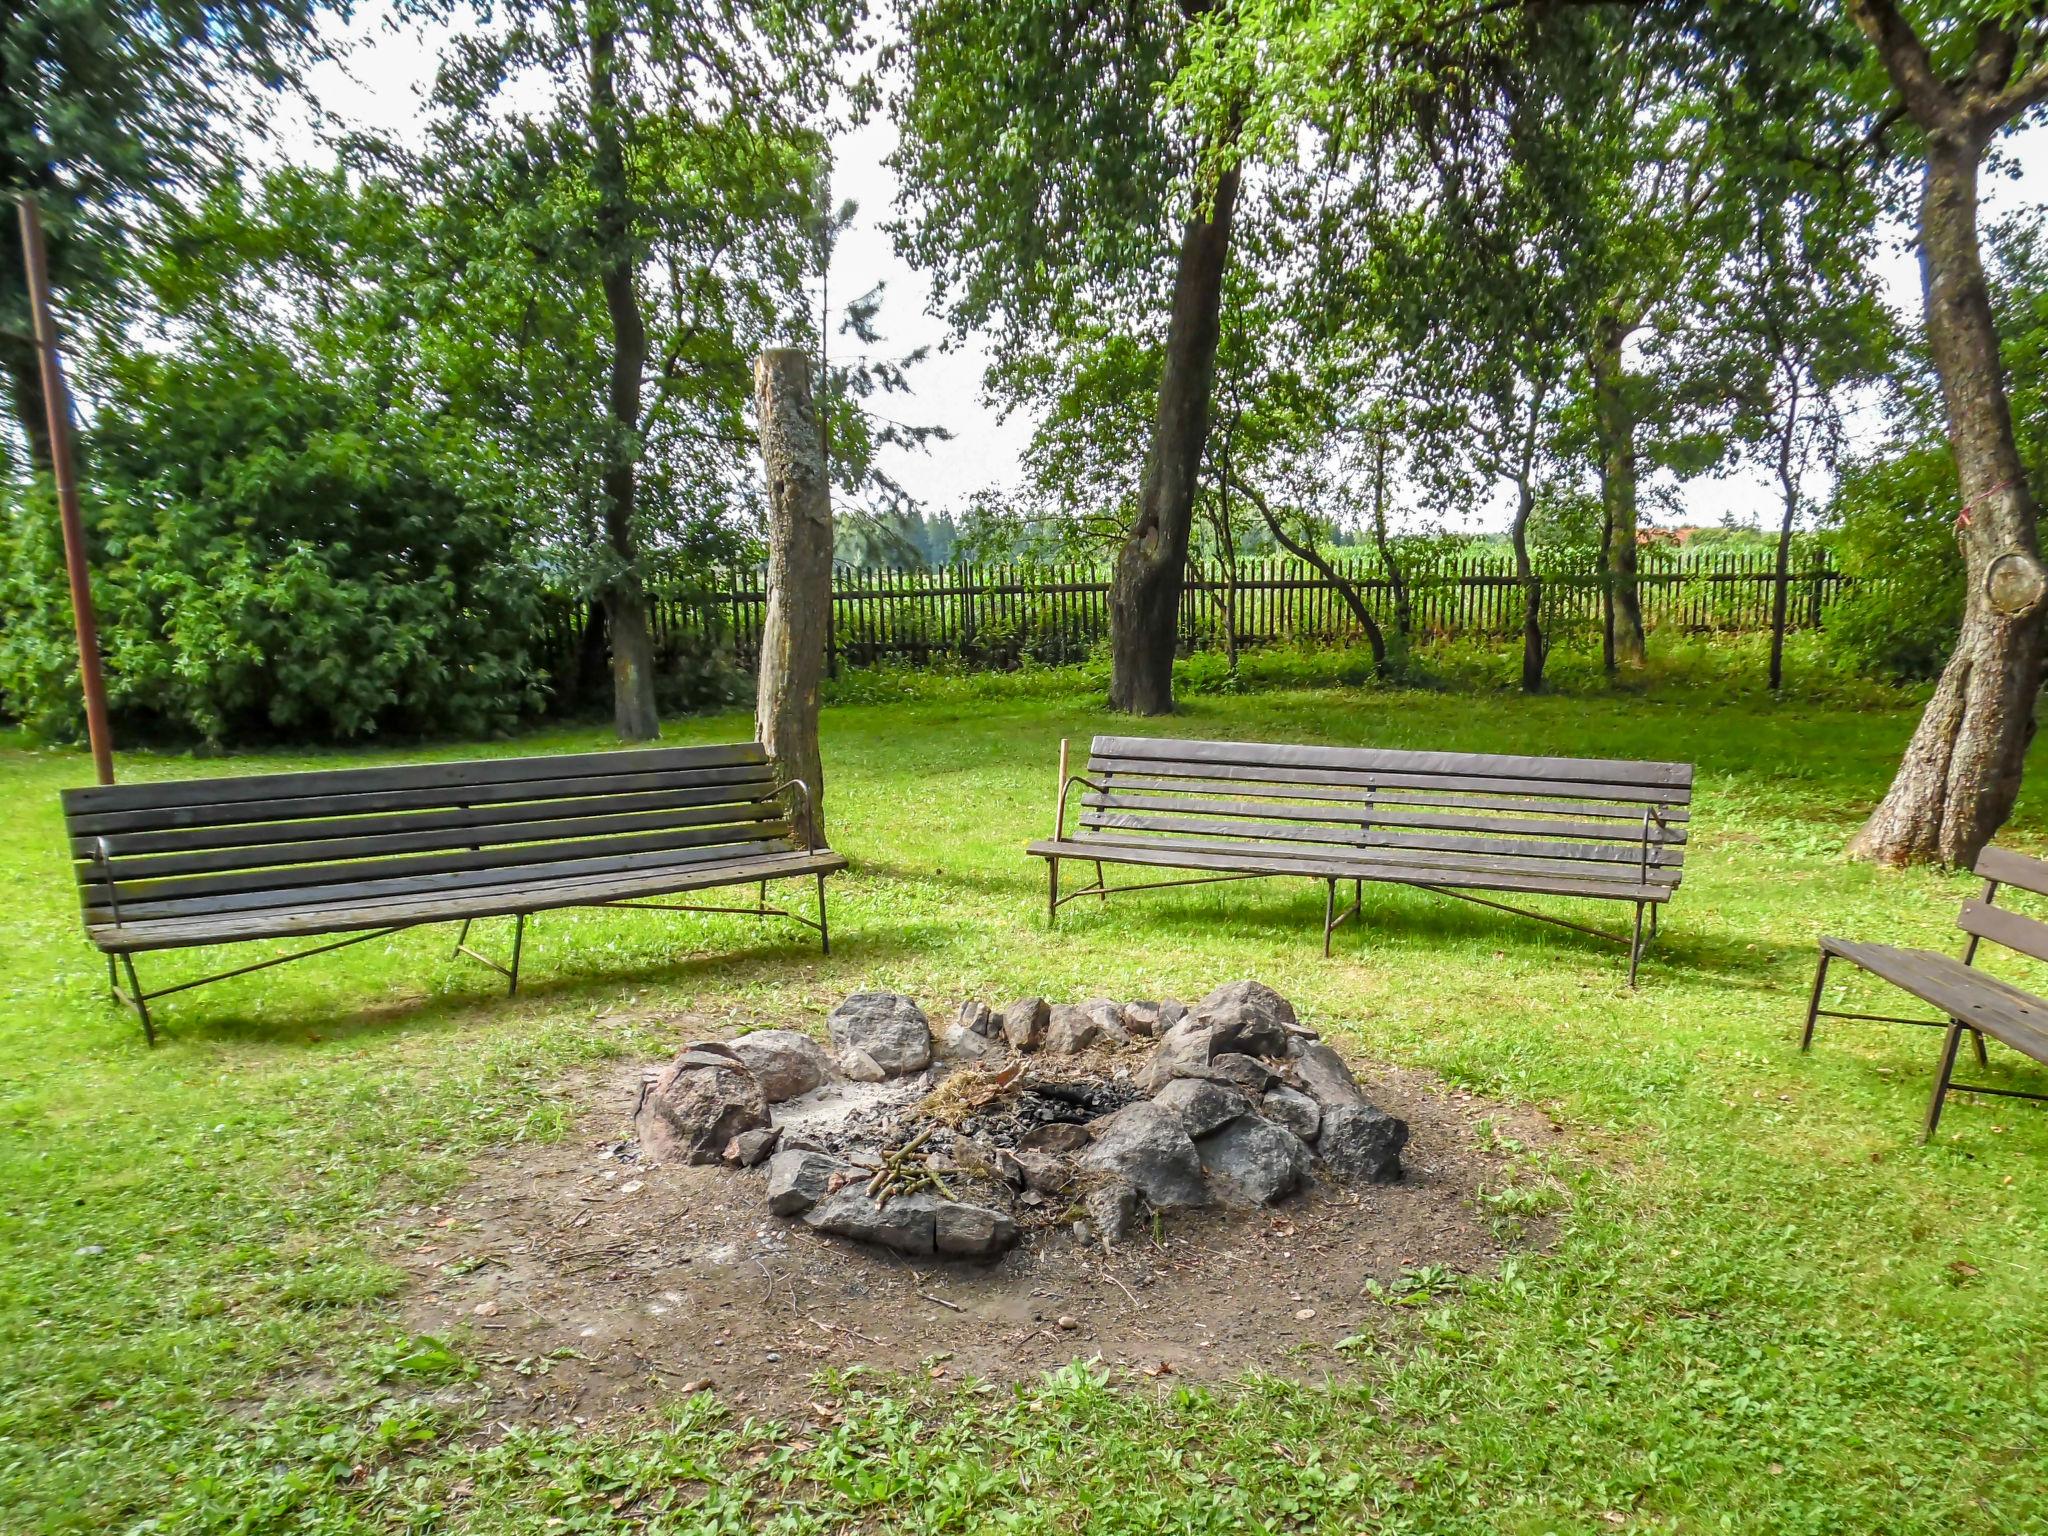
592, 1288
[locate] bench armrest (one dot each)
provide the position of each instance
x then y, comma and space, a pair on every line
1059, 821
103, 860
810, 805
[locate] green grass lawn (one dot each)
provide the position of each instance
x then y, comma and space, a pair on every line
1769, 1307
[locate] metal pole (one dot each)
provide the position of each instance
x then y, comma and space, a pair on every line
57, 402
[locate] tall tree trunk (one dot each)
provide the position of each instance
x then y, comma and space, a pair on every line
1615, 427
1397, 583
1788, 486
1534, 650
624, 594
799, 580
1961, 772
1144, 594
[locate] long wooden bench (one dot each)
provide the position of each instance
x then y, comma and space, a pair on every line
1452, 822
1967, 998
292, 855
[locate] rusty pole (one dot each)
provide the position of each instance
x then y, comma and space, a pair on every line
58, 402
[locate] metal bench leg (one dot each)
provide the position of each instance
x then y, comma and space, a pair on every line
1052, 892
137, 1001
1635, 949
1820, 980
761, 898
1950, 1041
1329, 914
518, 944
824, 932
1978, 1036
462, 938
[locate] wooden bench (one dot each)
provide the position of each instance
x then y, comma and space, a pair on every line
291, 855
1966, 997
1451, 822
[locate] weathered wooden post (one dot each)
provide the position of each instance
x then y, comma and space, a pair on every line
799, 579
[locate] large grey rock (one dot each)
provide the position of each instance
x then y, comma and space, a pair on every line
785, 1062
1072, 1027
1112, 1207
1183, 1051
799, 1180
1293, 1109
888, 1026
1056, 1136
1144, 1145
1024, 1023
971, 1231
701, 1100
1046, 1172
1145, 1021
1246, 1072
751, 1148
1255, 1160
1322, 1074
960, 1041
1203, 1106
907, 1223
1362, 1141
1248, 1016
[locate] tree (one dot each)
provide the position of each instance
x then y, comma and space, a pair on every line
628, 244
108, 113
1960, 79
1041, 177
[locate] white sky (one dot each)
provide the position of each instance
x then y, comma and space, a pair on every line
382, 84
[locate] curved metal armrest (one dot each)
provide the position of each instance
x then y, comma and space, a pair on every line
1059, 821
103, 856
810, 805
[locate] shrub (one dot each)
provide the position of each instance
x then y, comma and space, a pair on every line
1897, 538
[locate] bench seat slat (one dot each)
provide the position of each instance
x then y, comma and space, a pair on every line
345, 781
569, 832
544, 863
1965, 992
433, 797
1199, 833
1542, 826
1488, 877
1320, 861
1559, 770
1130, 771
497, 901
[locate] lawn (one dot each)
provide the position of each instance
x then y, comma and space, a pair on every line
1768, 1308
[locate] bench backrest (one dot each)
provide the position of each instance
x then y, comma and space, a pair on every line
1982, 919
1440, 810
196, 847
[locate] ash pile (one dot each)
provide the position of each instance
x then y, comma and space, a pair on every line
961, 1141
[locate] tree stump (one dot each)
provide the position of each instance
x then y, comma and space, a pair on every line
799, 579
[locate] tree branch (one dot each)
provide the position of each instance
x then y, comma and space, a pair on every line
1906, 60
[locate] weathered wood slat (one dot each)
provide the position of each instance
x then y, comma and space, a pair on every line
1985, 1002
517, 866
2014, 930
2009, 868
1125, 771
1268, 813
253, 834
499, 901
1319, 859
1559, 770
1204, 834
574, 832
1363, 868
349, 781
436, 797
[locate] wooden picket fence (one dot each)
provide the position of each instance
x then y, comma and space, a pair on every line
1002, 615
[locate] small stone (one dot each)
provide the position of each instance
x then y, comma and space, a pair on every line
1255, 1160
972, 1231
485, 1309
1141, 1020
890, 1027
749, 1148
1024, 1023
1113, 1208
856, 1065
799, 1180
785, 1062
1144, 1145
1304, 1314
1249, 1017
1183, 1051
1042, 1171
1068, 1323
1321, 1073
959, 1042
1293, 1109
1246, 1072
981, 1019
1058, 1136
1203, 1107
1074, 1027
907, 1223
1361, 1141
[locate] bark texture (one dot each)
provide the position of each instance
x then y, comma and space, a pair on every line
1615, 424
1961, 772
1788, 490
799, 579
1144, 596
624, 594
1535, 649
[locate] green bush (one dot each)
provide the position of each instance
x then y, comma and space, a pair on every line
272, 557
1896, 537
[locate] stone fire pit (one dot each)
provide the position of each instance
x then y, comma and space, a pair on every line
961, 1141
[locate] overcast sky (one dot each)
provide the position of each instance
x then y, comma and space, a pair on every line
382, 83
